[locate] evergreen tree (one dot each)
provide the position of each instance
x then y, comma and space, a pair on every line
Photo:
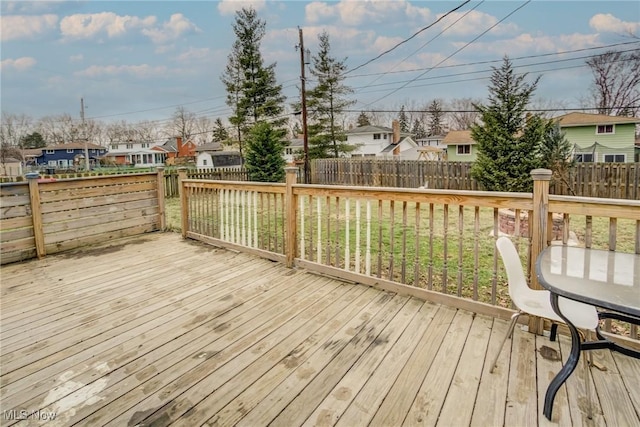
403, 120
418, 130
508, 139
252, 89
363, 119
33, 140
264, 157
556, 153
326, 102
220, 133
436, 118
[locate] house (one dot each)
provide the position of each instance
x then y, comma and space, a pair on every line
176, 151
135, 153
63, 156
379, 141
10, 166
600, 138
460, 146
294, 149
212, 155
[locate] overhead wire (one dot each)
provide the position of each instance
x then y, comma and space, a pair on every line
409, 38
454, 53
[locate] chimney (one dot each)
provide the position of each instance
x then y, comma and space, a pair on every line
395, 125
179, 146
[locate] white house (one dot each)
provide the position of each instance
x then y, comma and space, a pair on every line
212, 155
293, 149
136, 153
379, 141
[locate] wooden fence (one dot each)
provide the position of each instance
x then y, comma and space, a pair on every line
435, 244
45, 216
219, 174
603, 180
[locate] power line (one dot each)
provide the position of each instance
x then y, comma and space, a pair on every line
411, 37
493, 61
455, 52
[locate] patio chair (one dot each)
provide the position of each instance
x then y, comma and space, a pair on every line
538, 303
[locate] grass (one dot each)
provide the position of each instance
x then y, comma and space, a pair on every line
445, 250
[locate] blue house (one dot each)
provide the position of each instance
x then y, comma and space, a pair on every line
64, 156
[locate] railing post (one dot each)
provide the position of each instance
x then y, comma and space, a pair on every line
184, 202
161, 196
290, 219
36, 213
539, 225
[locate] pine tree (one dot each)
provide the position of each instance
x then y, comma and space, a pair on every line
436, 118
252, 89
264, 157
220, 133
326, 102
418, 130
363, 120
556, 154
508, 139
403, 120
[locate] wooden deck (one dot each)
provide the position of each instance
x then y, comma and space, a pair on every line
158, 331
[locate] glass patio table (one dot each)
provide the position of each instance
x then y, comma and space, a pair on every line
606, 279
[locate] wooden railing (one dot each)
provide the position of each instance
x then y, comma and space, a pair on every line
603, 180
44, 216
435, 244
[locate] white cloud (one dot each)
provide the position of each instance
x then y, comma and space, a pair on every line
607, 23
317, 11
19, 64
355, 13
143, 70
81, 26
473, 22
24, 26
177, 25
229, 7
194, 54
76, 58
526, 43
383, 43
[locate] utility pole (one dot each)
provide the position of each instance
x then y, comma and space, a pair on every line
305, 134
84, 136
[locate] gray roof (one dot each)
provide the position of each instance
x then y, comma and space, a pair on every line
295, 142
209, 146
370, 129
170, 145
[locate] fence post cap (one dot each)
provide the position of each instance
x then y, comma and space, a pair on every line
32, 175
541, 174
291, 169
160, 168
182, 168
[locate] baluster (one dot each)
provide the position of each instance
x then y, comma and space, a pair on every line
357, 252
302, 231
368, 242
319, 242
347, 217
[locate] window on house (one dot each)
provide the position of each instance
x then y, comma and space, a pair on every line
604, 129
114, 146
614, 158
51, 151
584, 157
464, 149
368, 155
377, 136
145, 145
129, 146
204, 162
69, 150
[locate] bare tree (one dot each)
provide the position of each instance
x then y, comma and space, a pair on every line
13, 129
616, 83
183, 124
59, 129
463, 113
203, 127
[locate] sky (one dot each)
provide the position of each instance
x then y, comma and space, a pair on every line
140, 60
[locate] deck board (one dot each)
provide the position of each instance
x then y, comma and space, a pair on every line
163, 331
